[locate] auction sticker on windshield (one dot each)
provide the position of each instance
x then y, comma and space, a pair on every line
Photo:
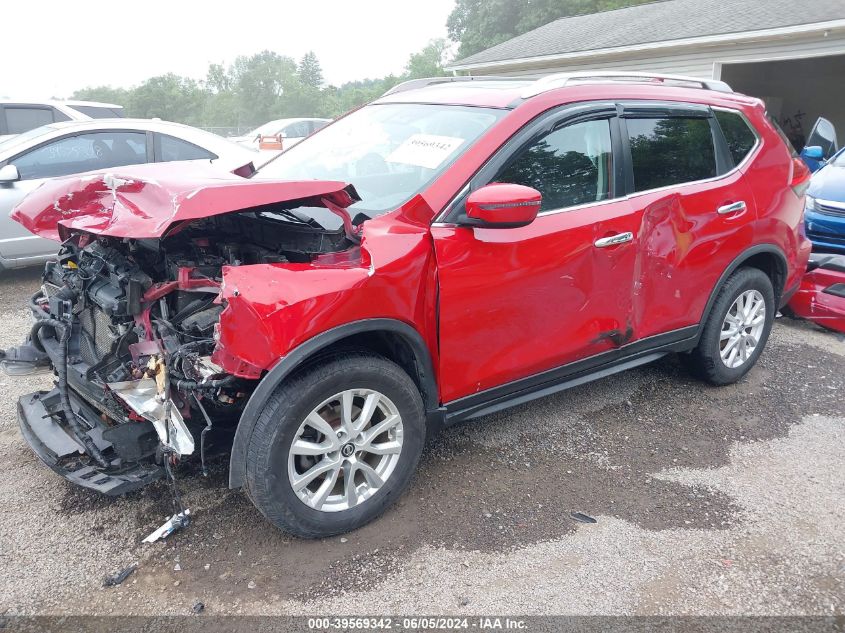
425, 150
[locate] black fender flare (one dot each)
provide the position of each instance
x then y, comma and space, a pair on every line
769, 249
297, 356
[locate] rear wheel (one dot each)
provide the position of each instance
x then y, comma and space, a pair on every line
736, 330
336, 445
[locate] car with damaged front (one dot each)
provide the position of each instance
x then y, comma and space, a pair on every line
459, 246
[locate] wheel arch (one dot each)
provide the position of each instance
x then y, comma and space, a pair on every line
766, 257
395, 340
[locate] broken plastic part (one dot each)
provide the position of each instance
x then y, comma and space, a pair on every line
176, 522
24, 360
119, 577
581, 517
142, 396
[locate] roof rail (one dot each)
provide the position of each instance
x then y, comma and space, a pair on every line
559, 80
413, 84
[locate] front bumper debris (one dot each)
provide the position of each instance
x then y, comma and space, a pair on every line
55, 445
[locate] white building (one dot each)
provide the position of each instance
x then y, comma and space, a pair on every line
791, 54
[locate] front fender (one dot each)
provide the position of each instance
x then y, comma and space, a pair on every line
284, 367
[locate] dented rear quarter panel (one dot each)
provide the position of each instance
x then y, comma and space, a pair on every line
780, 211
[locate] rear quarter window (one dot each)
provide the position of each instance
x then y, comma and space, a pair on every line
670, 151
782, 135
99, 112
738, 134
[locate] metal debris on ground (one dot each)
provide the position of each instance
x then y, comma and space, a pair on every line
198, 607
115, 579
176, 522
581, 517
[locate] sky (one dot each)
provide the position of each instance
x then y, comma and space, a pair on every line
51, 48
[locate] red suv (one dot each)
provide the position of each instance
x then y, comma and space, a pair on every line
501, 239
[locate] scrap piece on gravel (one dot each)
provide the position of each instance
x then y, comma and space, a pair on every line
176, 522
116, 579
582, 518
198, 607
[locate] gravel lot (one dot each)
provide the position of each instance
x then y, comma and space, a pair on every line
707, 500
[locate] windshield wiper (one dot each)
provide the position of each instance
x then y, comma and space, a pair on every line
290, 215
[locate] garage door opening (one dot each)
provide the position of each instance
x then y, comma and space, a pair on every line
796, 91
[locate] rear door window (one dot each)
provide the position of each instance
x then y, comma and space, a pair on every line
83, 152
20, 120
570, 166
738, 134
169, 148
669, 151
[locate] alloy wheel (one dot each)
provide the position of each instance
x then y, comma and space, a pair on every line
345, 450
742, 328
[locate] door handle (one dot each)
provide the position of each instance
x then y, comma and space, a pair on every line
613, 240
735, 207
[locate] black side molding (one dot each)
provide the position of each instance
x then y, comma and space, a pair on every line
571, 375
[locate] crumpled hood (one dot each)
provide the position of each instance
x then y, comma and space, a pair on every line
144, 201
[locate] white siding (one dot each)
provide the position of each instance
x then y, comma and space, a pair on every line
698, 62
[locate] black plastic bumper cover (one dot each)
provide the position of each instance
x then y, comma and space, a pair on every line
58, 449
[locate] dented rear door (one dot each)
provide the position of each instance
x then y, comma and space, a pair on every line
696, 209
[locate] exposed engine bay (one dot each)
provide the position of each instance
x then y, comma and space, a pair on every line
129, 327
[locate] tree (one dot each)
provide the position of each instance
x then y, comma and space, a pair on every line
169, 97
480, 24
429, 61
310, 73
259, 83
103, 94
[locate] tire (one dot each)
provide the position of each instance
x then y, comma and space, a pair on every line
706, 360
326, 506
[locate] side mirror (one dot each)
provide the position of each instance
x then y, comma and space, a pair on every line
502, 205
9, 174
813, 152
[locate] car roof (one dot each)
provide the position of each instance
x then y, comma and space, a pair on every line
292, 120
509, 92
208, 140
495, 92
53, 102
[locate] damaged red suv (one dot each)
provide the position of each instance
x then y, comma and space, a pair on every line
459, 246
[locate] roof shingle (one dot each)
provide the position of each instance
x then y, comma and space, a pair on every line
658, 22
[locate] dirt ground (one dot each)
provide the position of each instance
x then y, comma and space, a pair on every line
707, 501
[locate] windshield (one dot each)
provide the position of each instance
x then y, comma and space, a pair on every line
389, 152
268, 129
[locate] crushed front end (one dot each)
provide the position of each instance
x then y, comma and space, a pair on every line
129, 331
129, 325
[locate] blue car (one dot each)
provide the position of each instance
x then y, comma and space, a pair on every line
821, 145
824, 216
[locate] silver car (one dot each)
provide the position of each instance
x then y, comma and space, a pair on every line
291, 131
72, 147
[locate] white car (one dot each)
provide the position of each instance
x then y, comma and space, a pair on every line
17, 117
291, 131
72, 147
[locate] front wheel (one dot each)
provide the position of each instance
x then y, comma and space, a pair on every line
336, 445
736, 329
